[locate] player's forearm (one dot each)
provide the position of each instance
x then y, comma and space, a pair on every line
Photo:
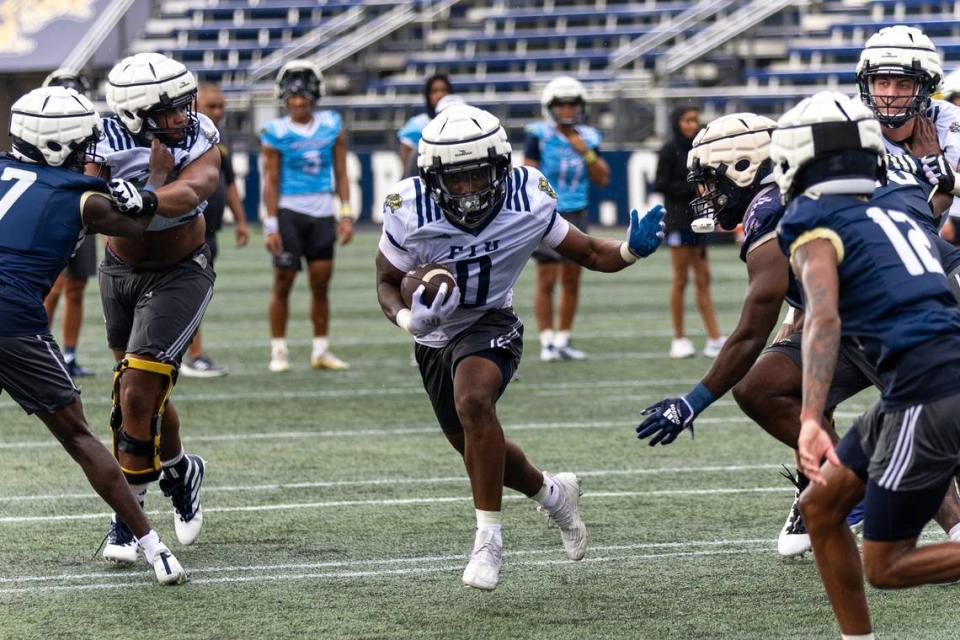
388, 295
738, 354
177, 198
343, 185
599, 172
821, 341
236, 205
271, 197
603, 255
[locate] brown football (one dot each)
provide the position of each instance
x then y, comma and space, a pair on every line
431, 276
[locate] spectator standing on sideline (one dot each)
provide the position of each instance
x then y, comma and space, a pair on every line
434, 88
210, 102
564, 148
687, 249
83, 263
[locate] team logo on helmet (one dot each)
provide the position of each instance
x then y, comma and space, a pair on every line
544, 185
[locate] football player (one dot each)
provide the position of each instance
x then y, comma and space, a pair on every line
304, 165
730, 164
82, 265
469, 210
53, 130
155, 289
901, 454
564, 148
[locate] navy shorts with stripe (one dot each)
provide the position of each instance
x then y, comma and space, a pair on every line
33, 373
908, 458
155, 312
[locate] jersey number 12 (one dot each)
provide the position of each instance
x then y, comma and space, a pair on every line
914, 248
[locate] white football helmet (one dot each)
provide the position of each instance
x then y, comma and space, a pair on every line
69, 78
447, 101
464, 160
146, 84
564, 89
950, 88
899, 51
830, 141
729, 158
54, 126
299, 77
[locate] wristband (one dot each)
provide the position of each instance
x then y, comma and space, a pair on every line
346, 211
150, 203
590, 156
403, 319
271, 225
699, 398
626, 254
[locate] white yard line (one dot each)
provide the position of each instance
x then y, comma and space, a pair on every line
398, 502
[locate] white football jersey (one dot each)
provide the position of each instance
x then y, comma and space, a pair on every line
946, 117
130, 161
487, 261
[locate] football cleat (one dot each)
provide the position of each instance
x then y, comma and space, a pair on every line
569, 353
166, 567
77, 371
565, 515
185, 494
201, 367
483, 570
682, 348
121, 546
712, 348
279, 361
549, 353
327, 360
855, 517
794, 539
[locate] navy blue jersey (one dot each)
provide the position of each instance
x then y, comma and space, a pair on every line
40, 226
893, 293
759, 226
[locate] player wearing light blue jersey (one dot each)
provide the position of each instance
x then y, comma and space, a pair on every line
304, 167
434, 89
46, 207
566, 151
869, 272
471, 211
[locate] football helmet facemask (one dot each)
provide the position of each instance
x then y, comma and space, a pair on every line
299, 77
54, 126
729, 159
464, 161
147, 89
899, 51
829, 141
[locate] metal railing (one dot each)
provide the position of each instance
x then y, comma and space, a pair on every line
102, 27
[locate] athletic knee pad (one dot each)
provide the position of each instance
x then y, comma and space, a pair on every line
122, 441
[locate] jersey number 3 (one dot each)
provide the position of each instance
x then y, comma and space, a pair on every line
22, 181
914, 249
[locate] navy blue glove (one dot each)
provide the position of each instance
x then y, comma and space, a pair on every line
665, 420
644, 236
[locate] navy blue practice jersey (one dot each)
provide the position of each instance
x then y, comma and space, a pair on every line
760, 226
893, 292
40, 226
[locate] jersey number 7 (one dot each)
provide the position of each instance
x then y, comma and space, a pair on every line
23, 179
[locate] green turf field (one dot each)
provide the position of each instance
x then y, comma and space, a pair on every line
335, 509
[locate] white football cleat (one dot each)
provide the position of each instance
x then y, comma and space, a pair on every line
121, 546
682, 348
483, 570
185, 495
166, 566
565, 515
567, 352
279, 359
549, 354
327, 360
794, 539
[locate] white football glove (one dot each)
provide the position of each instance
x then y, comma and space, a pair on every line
126, 196
421, 320
940, 174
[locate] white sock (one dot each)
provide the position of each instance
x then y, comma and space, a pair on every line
954, 533
320, 346
177, 458
489, 521
546, 337
864, 636
139, 492
149, 543
278, 345
549, 494
561, 339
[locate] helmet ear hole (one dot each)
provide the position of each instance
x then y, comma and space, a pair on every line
54, 146
742, 164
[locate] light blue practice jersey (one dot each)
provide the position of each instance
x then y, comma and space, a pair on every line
560, 163
409, 134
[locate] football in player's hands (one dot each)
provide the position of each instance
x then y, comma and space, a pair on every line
431, 276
